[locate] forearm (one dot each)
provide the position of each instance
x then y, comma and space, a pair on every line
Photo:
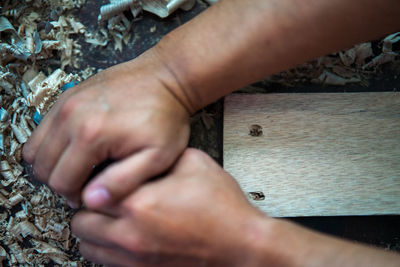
236, 42
285, 244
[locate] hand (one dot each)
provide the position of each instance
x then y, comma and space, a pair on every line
128, 114
195, 216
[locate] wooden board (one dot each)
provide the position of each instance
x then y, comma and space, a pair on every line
319, 154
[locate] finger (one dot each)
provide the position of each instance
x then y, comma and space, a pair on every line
94, 227
31, 147
35, 140
72, 170
123, 177
48, 153
108, 256
109, 231
120, 257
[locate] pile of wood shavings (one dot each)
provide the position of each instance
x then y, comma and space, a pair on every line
355, 65
116, 27
35, 48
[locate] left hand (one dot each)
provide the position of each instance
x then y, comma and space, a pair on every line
195, 216
128, 114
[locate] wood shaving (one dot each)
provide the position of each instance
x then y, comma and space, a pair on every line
118, 26
45, 88
164, 8
355, 65
161, 8
34, 221
117, 6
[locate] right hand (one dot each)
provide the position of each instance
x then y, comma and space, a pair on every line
128, 113
196, 215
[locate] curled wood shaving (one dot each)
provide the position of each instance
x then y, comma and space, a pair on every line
355, 65
52, 252
14, 200
161, 8
42, 96
24, 229
34, 222
164, 8
3, 253
6, 171
333, 79
19, 133
388, 42
4, 201
17, 254
116, 7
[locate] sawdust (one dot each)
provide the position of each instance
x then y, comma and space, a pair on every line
34, 221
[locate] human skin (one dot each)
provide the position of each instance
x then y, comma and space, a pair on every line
124, 114
196, 215
136, 113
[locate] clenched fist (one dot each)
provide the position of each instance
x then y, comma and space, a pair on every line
130, 114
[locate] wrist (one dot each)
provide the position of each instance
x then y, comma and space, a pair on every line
277, 242
172, 81
257, 241
158, 81
267, 243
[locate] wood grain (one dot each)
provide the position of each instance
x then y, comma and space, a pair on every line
319, 154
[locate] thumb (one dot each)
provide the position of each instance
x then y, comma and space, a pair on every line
123, 177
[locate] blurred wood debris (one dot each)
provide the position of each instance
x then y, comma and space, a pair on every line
355, 65
118, 26
34, 222
161, 8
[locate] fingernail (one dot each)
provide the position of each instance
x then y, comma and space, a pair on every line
97, 196
72, 204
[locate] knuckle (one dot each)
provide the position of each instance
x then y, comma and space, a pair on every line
90, 130
134, 243
159, 160
68, 108
142, 204
194, 155
195, 160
